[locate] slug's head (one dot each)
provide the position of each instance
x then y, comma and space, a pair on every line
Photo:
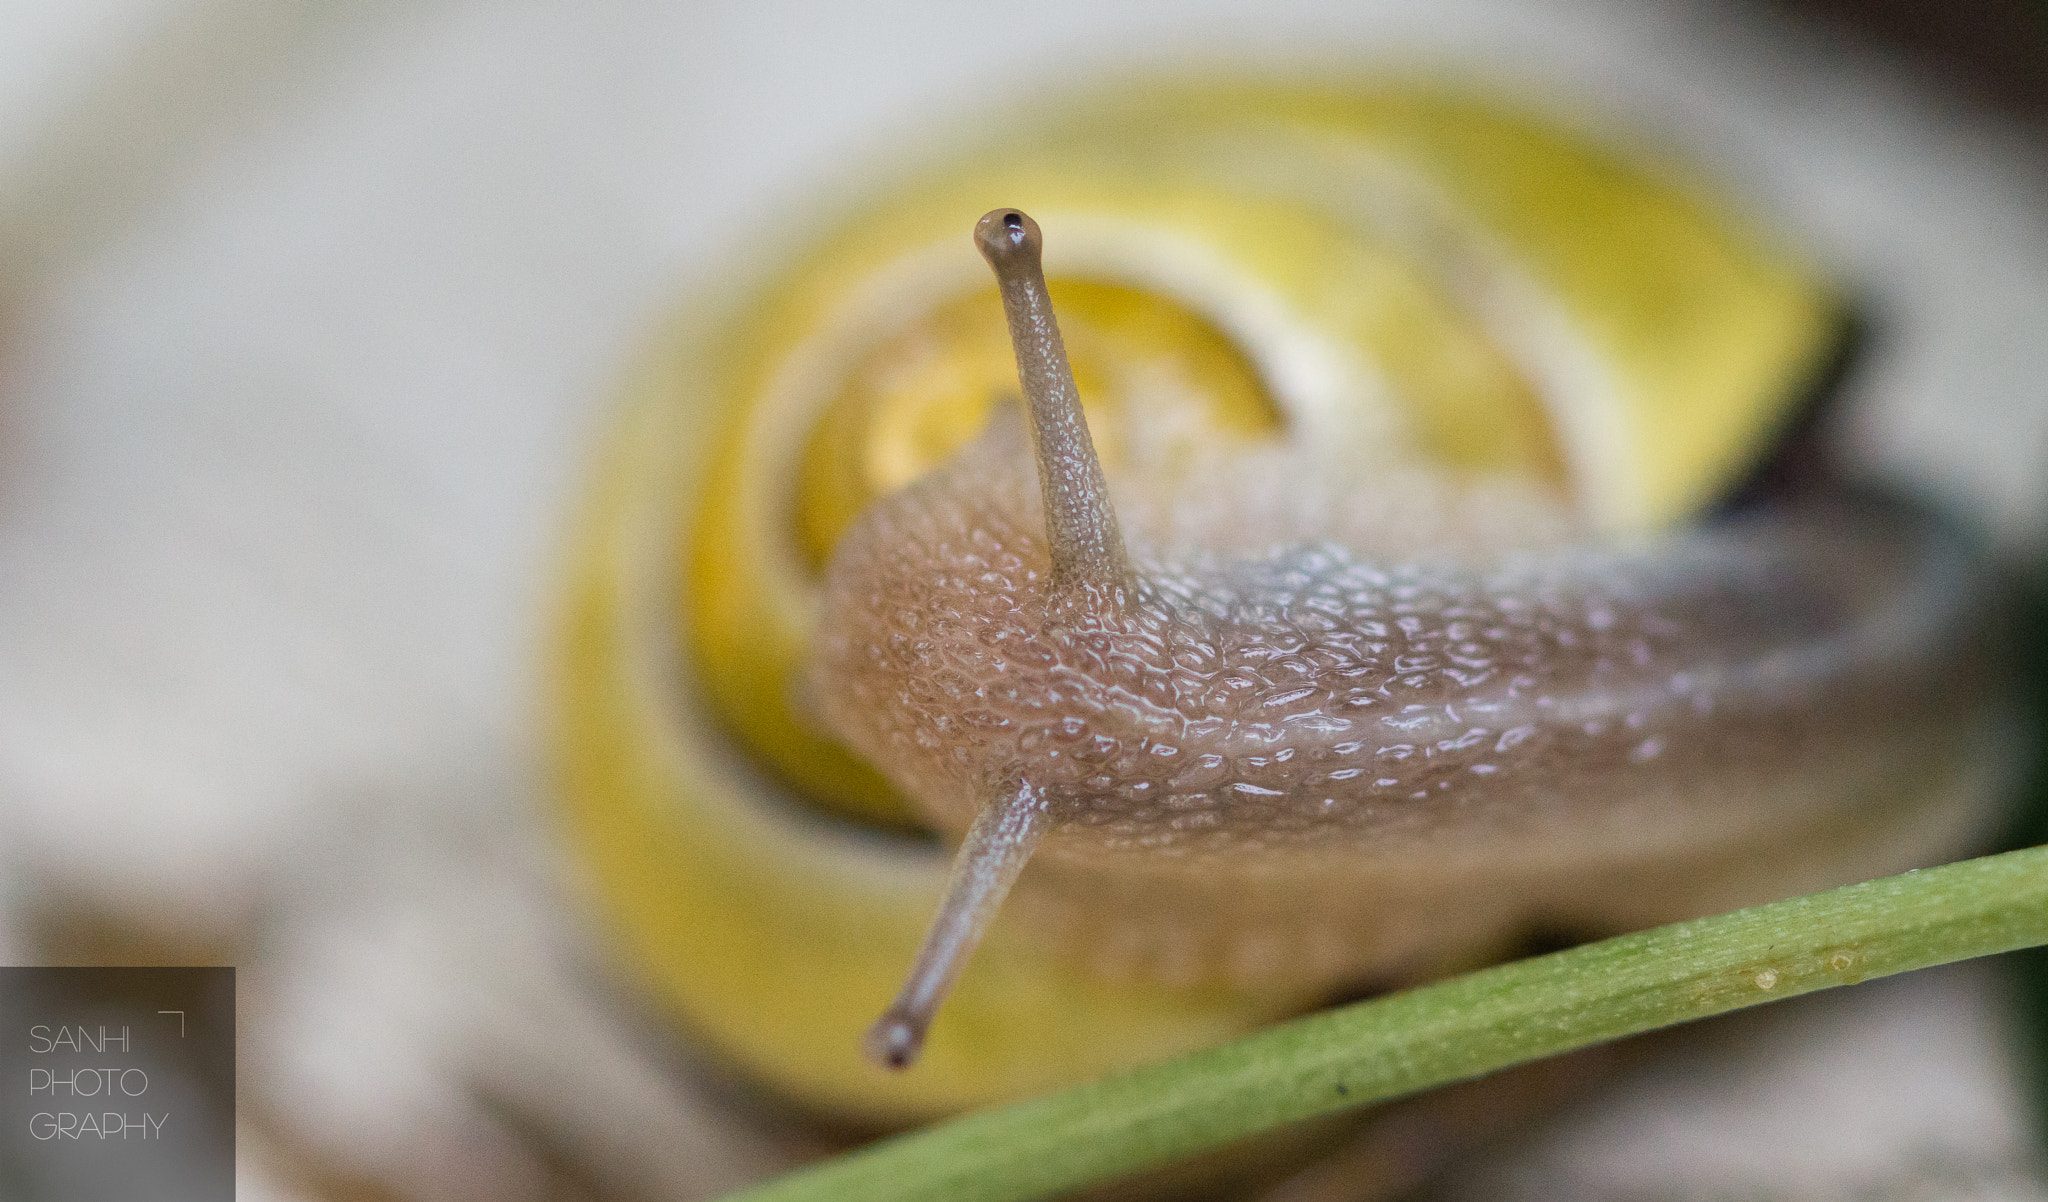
951, 606
953, 612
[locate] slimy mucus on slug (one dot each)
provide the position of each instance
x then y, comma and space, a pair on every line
1322, 748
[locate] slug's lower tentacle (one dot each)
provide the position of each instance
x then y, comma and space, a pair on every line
996, 848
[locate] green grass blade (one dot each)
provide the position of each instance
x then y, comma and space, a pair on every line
1457, 1029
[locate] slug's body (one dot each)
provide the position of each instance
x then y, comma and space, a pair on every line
1311, 731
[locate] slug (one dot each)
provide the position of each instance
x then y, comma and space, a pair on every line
1295, 723
1430, 325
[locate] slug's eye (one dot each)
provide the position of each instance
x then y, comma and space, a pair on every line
1007, 233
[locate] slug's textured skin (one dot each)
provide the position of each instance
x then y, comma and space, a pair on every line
1306, 720
1316, 708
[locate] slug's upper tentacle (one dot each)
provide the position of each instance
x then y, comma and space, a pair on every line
1081, 532
1421, 740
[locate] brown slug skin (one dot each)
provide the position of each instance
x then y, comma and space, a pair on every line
1304, 730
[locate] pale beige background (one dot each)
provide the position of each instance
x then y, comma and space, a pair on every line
309, 315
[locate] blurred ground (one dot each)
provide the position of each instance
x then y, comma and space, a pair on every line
306, 319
